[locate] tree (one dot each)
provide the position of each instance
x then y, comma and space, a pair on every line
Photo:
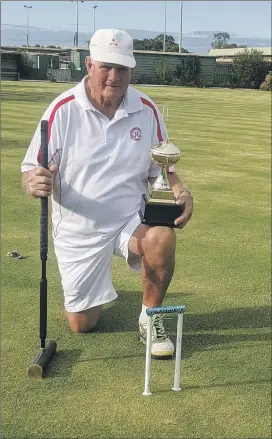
26, 63
235, 46
170, 44
163, 73
156, 44
249, 68
148, 44
188, 71
220, 40
267, 84
168, 39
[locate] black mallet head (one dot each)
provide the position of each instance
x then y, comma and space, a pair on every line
40, 362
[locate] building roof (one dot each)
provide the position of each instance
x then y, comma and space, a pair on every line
151, 52
34, 49
267, 51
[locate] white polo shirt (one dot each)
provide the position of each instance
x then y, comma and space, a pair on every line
103, 166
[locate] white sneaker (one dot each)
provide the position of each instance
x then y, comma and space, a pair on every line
162, 347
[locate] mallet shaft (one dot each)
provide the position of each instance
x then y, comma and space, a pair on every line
43, 238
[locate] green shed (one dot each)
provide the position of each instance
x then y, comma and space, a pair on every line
147, 63
78, 56
43, 60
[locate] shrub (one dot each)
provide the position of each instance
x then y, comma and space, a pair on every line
71, 66
249, 68
223, 83
188, 71
204, 84
163, 73
133, 81
144, 79
267, 84
176, 81
25, 65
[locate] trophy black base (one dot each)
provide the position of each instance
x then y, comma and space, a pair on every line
159, 214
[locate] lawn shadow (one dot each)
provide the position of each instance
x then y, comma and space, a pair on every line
62, 363
227, 384
122, 314
200, 331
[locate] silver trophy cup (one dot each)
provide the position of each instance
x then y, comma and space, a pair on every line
158, 205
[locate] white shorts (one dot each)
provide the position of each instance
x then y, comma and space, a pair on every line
87, 283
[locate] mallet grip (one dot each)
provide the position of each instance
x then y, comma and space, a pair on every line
44, 200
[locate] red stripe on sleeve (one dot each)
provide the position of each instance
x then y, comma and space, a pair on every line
149, 104
51, 119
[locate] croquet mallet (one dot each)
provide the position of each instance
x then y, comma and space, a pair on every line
40, 362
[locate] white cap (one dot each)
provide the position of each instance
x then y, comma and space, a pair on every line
112, 46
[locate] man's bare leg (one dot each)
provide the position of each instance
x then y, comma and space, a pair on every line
84, 321
156, 245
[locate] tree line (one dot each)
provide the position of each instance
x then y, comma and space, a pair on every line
220, 41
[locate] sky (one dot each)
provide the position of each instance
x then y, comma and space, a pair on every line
241, 18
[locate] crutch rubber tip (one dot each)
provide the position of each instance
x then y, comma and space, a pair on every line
40, 362
147, 393
176, 388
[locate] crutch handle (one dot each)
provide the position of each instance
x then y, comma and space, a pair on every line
164, 310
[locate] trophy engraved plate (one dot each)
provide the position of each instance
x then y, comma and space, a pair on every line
158, 207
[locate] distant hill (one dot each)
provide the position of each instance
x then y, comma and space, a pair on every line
198, 42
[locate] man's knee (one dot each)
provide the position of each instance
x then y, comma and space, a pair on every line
161, 239
79, 327
84, 321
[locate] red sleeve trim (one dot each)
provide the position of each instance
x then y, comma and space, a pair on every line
51, 119
149, 104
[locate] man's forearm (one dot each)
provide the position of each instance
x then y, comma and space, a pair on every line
176, 184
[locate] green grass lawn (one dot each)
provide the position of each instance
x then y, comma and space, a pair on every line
93, 388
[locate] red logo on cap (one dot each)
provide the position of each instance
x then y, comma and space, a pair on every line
113, 42
136, 134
